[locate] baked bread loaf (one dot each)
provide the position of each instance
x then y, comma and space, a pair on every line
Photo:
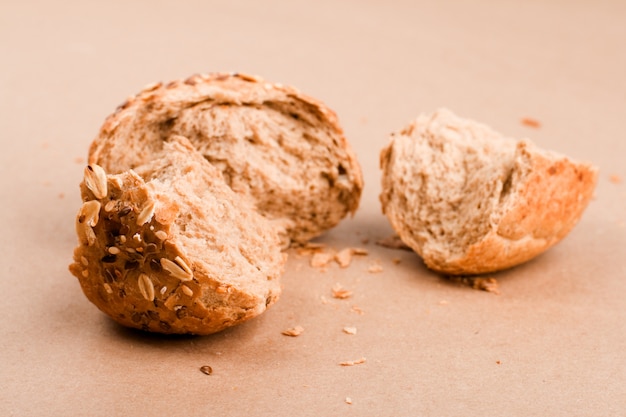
282, 149
470, 201
168, 247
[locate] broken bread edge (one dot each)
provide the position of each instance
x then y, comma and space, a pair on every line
538, 202
135, 261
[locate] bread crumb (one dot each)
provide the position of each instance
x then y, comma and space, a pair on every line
324, 300
530, 122
486, 284
396, 261
206, 369
293, 331
349, 330
352, 363
310, 248
79, 160
498, 362
615, 179
344, 257
340, 292
357, 310
443, 302
478, 283
321, 259
61, 195
392, 242
375, 267
365, 240
348, 400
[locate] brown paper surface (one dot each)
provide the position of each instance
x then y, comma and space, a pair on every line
553, 342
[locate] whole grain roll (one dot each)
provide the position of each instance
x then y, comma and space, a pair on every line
470, 201
168, 247
282, 149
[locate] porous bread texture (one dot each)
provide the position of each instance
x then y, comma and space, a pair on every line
172, 249
470, 201
280, 148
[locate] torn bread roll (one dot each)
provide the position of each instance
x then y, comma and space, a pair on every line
470, 201
280, 148
168, 247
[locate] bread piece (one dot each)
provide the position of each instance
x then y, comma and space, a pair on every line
176, 251
470, 201
284, 150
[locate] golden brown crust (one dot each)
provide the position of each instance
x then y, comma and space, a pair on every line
298, 166
546, 196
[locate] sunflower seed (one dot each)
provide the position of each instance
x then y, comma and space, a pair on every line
146, 287
107, 288
90, 213
183, 265
113, 250
96, 180
146, 214
176, 270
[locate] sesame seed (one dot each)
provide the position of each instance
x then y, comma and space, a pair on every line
187, 291
160, 234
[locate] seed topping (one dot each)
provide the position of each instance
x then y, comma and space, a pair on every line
146, 287
176, 269
96, 180
146, 214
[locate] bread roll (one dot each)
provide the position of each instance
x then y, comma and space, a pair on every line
283, 150
168, 247
470, 201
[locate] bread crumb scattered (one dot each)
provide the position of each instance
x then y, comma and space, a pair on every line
365, 240
486, 284
375, 267
349, 330
293, 331
352, 363
357, 310
498, 362
443, 302
324, 300
396, 261
530, 122
392, 242
321, 259
344, 257
206, 369
61, 195
310, 248
478, 283
348, 400
340, 292
615, 179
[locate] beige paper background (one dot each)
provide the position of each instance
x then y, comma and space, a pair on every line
552, 343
